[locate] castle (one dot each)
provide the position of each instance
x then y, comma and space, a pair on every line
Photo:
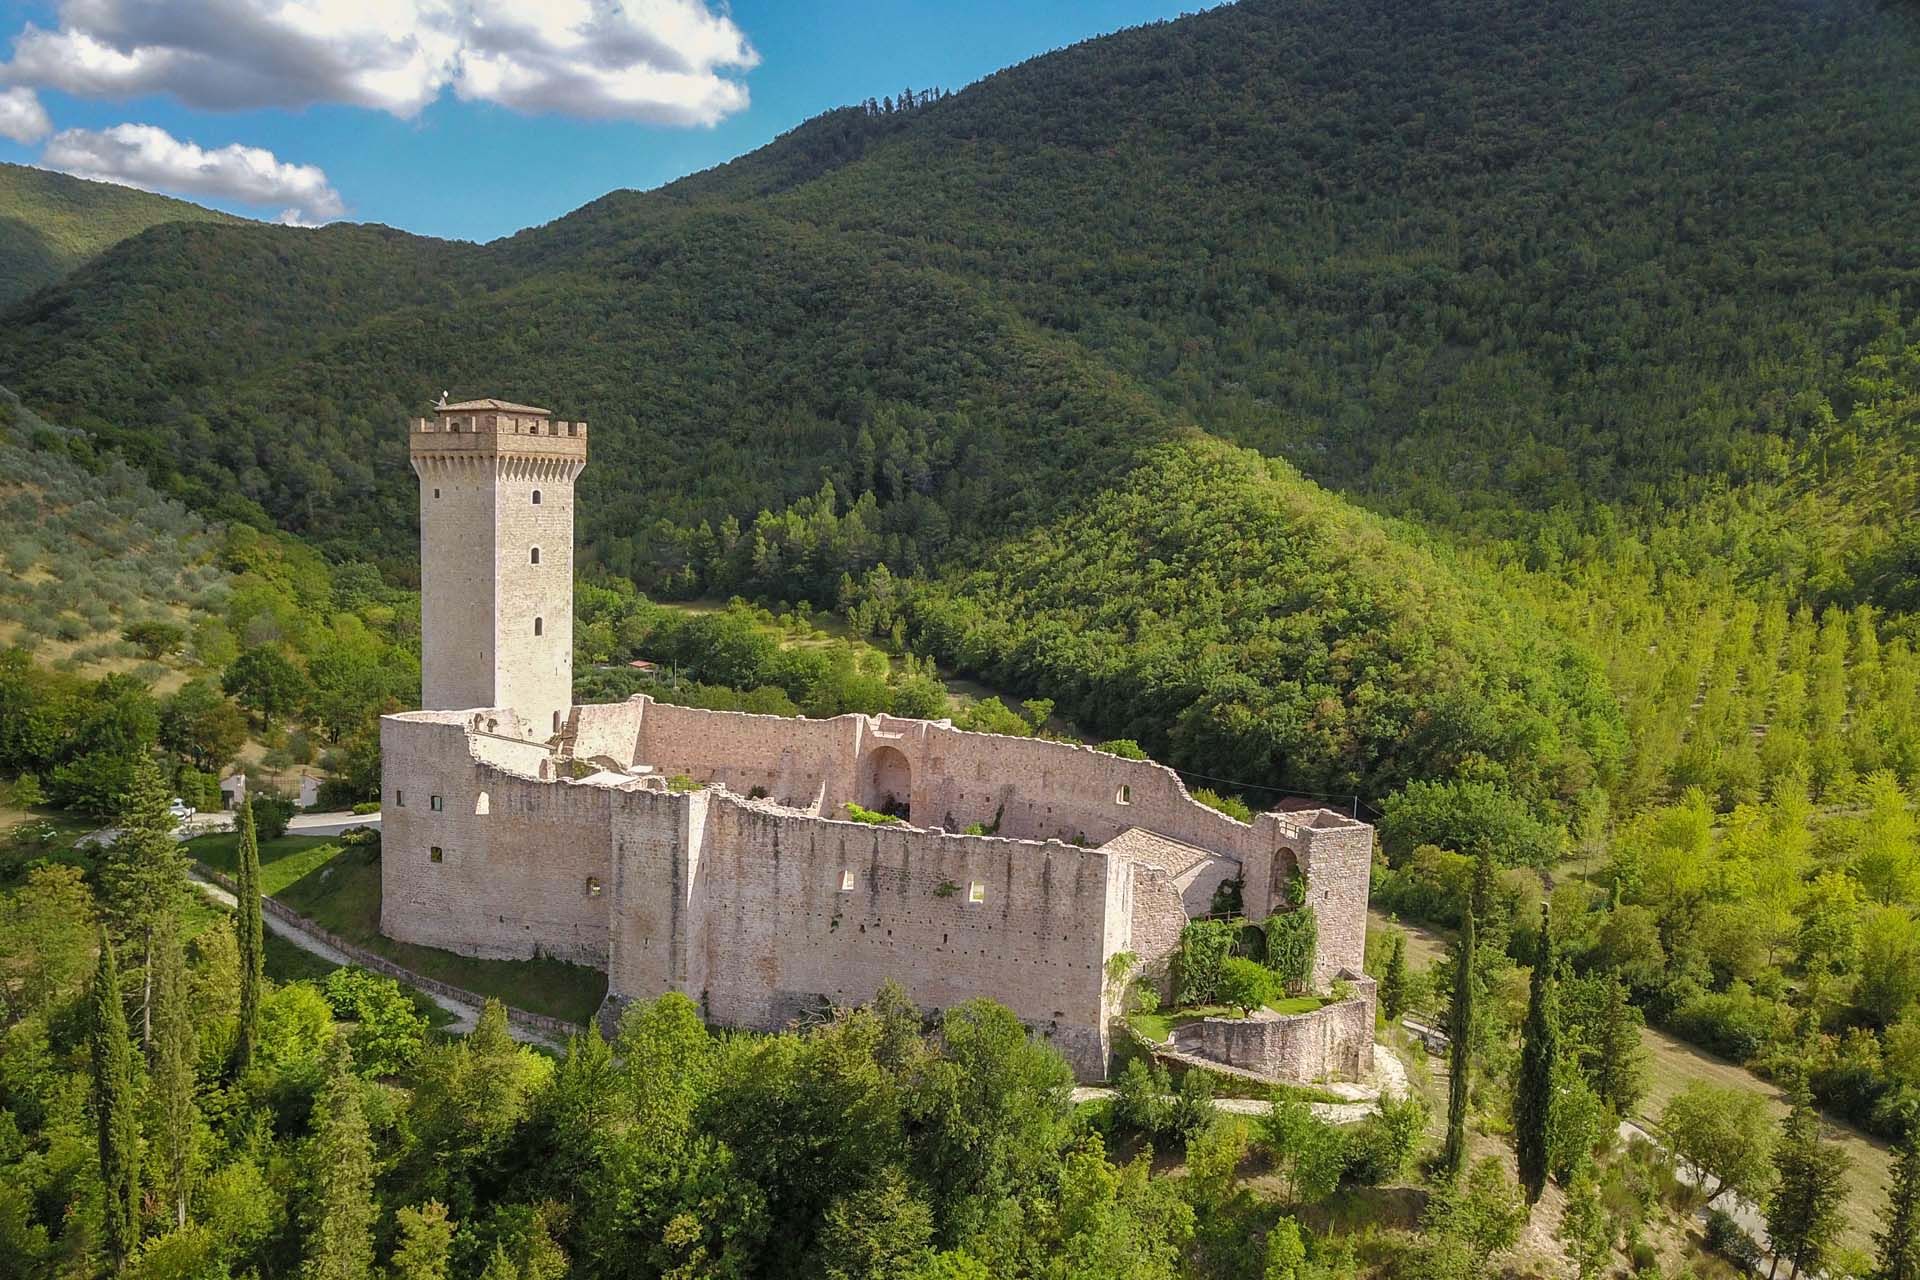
709, 852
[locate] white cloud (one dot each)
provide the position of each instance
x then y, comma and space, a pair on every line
148, 157
664, 61
22, 118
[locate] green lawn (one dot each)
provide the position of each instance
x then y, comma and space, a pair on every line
338, 888
1158, 1026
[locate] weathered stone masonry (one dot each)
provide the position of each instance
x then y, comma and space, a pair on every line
515, 825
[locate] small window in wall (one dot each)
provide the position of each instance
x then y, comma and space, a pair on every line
846, 880
436, 493
536, 497
482, 806
434, 803
593, 886
436, 855
1124, 795
976, 891
539, 627
399, 798
536, 556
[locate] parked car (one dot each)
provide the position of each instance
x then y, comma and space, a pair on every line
181, 810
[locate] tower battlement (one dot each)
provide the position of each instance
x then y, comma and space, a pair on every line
496, 556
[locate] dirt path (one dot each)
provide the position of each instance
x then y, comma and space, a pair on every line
1390, 1078
465, 1016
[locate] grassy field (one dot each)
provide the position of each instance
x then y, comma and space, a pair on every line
1674, 1064
1158, 1025
338, 888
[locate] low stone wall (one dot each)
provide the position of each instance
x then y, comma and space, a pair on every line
555, 1028
1334, 1042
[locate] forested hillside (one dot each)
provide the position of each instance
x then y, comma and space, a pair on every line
1591, 298
51, 223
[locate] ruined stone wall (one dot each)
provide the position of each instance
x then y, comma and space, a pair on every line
780, 914
793, 759
609, 729
519, 858
1334, 1042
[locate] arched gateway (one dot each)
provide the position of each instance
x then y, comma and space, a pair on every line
886, 782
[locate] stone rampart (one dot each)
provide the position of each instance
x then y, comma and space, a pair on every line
1333, 1042
483, 861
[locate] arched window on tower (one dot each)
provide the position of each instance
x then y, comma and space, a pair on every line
539, 627
536, 555
536, 497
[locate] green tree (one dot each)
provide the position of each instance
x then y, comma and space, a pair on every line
1897, 1244
1485, 1214
175, 1126
1286, 1251
1533, 1094
114, 1109
144, 873
249, 932
426, 1242
1478, 819
266, 682
877, 1232
202, 726
1245, 984
1617, 1063
342, 1209
1586, 1227
1460, 1029
1311, 1153
1804, 1214
1724, 1134
1394, 976
155, 639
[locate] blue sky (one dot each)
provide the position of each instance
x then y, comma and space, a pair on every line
499, 121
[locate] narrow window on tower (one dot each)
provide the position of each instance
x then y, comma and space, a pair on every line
539, 627
436, 493
433, 803
536, 555
434, 854
536, 497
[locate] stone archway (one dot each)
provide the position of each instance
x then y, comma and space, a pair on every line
1284, 881
886, 782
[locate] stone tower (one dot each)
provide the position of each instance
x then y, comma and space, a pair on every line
496, 558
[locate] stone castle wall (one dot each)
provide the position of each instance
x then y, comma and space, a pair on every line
765, 909
764, 915
1334, 1042
518, 859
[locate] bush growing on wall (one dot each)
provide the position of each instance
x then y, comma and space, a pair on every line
1204, 948
1291, 939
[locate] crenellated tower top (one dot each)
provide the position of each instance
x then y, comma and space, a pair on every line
478, 430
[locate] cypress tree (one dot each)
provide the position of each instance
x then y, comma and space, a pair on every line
1803, 1215
1898, 1246
1533, 1101
1393, 976
176, 1116
1460, 1051
113, 1109
248, 927
340, 1238
1620, 1061
144, 873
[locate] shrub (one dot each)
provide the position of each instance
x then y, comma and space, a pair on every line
1125, 748
390, 1031
271, 814
365, 807
1292, 938
1232, 806
1204, 947
857, 813
1245, 984
1380, 1148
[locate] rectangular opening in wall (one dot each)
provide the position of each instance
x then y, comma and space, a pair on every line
846, 880
593, 886
435, 855
976, 891
433, 803
399, 798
